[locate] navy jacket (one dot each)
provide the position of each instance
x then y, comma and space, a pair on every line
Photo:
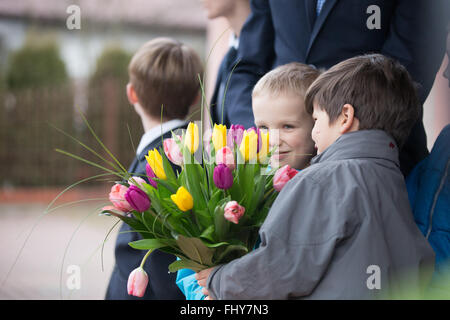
161, 285
429, 194
282, 31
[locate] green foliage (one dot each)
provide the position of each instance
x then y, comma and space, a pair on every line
109, 112
112, 63
36, 65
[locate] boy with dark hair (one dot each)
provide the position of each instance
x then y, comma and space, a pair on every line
163, 72
343, 227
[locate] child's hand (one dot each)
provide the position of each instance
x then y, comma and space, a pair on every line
202, 277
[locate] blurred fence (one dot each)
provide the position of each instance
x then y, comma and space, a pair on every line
28, 140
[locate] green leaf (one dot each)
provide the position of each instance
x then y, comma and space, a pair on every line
133, 223
170, 174
221, 225
186, 264
155, 223
147, 244
204, 219
230, 253
195, 249
172, 187
216, 245
214, 200
258, 195
193, 181
208, 234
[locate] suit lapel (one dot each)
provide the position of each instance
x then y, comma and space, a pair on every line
310, 6
327, 7
133, 166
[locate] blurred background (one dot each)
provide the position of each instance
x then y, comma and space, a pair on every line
47, 71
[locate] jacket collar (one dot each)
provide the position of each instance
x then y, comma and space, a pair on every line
375, 144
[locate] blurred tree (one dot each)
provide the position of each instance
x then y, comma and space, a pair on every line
37, 92
109, 111
112, 63
36, 64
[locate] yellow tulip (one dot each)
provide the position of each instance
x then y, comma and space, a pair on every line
264, 150
183, 199
154, 159
219, 136
249, 145
191, 139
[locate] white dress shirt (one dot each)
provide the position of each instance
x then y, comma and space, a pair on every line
157, 132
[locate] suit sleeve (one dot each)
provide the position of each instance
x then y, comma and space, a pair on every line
298, 240
417, 39
254, 58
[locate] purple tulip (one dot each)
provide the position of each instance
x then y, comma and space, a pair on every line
151, 175
235, 134
222, 176
137, 199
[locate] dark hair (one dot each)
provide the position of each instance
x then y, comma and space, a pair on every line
379, 88
166, 72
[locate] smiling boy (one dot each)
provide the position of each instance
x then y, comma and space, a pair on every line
347, 214
278, 102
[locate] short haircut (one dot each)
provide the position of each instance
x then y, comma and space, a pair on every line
379, 88
293, 78
165, 72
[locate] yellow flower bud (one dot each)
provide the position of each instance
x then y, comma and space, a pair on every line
183, 199
219, 136
154, 159
249, 145
191, 139
264, 150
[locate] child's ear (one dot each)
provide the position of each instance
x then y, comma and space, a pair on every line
348, 121
131, 94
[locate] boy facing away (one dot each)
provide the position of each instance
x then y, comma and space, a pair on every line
343, 227
163, 72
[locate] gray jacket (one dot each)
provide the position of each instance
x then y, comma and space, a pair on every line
340, 229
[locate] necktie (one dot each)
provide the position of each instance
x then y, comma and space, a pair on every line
319, 6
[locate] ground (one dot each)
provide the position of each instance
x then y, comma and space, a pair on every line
69, 236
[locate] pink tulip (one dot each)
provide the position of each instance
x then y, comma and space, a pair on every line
282, 176
137, 282
136, 181
235, 134
225, 156
233, 211
173, 152
117, 197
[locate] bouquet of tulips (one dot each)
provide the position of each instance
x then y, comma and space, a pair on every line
210, 212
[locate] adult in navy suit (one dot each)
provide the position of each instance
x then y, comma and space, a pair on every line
326, 32
162, 72
235, 13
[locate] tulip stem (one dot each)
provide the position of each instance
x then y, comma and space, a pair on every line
145, 258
